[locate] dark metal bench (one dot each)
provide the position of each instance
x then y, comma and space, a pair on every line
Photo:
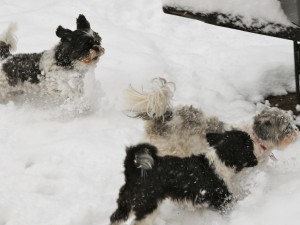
291, 8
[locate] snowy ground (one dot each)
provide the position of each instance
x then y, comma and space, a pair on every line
60, 168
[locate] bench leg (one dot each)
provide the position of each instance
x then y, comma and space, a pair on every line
297, 68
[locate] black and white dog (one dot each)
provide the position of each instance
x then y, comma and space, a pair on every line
202, 180
58, 71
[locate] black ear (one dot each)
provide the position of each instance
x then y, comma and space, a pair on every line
82, 23
64, 33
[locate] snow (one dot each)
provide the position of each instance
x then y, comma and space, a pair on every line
267, 10
62, 165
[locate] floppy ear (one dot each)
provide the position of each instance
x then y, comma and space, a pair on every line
64, 33
82, 23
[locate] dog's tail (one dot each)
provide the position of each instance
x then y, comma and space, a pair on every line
139, 160
152, 104
8, 41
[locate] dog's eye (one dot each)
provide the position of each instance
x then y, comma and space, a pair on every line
97, 39
288, 129
267, 123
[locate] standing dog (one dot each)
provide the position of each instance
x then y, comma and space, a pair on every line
58, 71
201, 180
181, 131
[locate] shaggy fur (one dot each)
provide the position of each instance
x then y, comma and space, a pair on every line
181, 130
201, 180
52, 72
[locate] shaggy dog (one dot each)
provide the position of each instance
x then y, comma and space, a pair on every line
201, 180
58, 71
181, 131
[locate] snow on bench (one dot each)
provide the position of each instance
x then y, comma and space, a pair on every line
258, 16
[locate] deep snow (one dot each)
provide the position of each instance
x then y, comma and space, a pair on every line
58, 167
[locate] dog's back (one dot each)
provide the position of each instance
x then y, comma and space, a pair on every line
14, 68
149, 179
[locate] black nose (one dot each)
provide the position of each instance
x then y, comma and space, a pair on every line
96, 48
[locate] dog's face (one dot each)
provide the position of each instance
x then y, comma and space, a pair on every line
82, 45
276, 127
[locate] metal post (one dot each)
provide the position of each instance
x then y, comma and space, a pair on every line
297, 67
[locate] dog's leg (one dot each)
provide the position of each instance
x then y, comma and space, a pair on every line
221, 200
124, 208
120, 215
146, 216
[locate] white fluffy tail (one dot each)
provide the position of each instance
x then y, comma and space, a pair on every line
9, 37
153, 103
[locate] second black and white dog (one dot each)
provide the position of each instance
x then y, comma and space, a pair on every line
57, 71
201, 180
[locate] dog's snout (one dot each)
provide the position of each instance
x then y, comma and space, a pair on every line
99, 49
102, 51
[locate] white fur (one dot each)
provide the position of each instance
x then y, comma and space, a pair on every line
58, 81
145, 161
148, 220
90, 33
9, 37
225, 173
155, 102
172, 145
179, 140
54, 81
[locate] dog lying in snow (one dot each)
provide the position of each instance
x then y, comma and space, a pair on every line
181, 131
202, 180
55, 72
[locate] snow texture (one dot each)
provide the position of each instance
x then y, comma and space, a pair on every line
63, 164
266, 10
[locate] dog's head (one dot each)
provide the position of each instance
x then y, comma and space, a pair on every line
275, 127
82, 45
234, 148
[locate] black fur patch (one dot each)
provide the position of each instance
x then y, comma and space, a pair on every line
235, 148
22, 67
4, 50
191, 178
82, 23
